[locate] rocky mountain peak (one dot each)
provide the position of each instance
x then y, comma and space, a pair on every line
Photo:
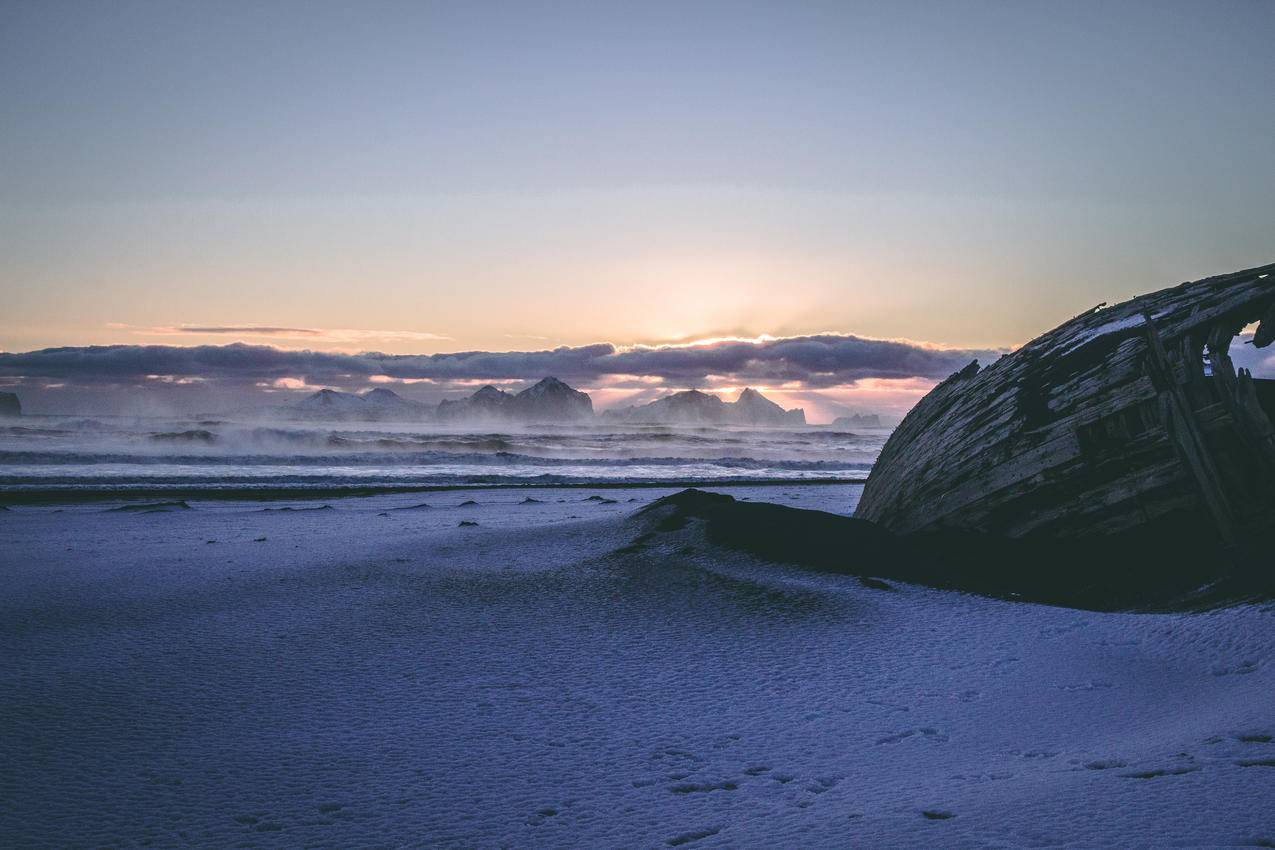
551, 400
488, 393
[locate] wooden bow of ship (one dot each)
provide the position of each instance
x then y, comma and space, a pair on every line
1124, 417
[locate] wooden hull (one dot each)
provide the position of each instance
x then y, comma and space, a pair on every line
1109, 422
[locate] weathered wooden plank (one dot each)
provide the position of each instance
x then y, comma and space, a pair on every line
1179, 420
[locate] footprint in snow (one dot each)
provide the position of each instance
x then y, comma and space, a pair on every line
925, 732
1104, 764
703, 787
1086, 686
542, 815
693, 835
1034, 754
1156, 773
822, 784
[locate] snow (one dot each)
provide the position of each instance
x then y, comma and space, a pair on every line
366, 676
1088, 335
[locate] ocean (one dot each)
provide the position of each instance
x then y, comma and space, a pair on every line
43, 456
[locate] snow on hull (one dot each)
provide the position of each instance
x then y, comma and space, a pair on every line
223, 676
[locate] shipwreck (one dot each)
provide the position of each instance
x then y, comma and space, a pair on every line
1131, 418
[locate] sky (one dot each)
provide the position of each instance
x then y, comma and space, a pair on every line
442, 178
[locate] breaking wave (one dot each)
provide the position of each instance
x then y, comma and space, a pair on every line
60, 452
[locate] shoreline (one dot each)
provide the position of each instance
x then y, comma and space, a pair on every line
72, 494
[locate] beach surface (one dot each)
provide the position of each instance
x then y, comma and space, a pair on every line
505, 668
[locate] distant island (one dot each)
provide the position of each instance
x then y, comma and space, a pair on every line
692, 407
550, 401
858, 420
375, 405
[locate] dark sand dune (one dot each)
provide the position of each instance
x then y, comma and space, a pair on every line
151, 507
1157, 567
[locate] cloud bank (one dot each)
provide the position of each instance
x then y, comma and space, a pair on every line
824, 360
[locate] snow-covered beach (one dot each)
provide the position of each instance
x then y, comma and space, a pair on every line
371, 672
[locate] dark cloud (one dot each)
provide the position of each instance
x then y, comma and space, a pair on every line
124, 363
816, 361
823, 360
258, 330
